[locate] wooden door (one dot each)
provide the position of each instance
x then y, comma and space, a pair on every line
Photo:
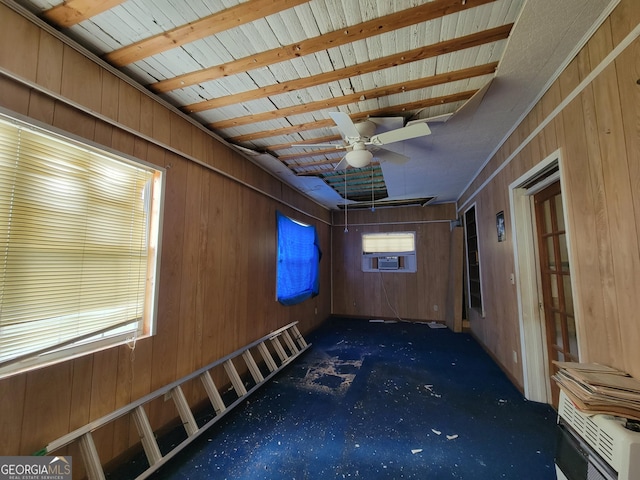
555, 277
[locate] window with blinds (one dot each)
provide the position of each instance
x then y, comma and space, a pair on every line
392, 242
79, 232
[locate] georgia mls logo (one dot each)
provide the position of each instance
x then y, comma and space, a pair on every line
59, 465
35, 468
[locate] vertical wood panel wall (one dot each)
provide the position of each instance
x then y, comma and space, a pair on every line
217, 277
598, 135
410, 296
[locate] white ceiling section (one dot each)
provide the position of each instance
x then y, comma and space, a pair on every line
264, 74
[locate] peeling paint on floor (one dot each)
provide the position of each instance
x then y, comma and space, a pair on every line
332, 375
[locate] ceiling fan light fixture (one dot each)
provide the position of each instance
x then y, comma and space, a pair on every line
359, 158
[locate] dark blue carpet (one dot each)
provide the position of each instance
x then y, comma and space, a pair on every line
379, 401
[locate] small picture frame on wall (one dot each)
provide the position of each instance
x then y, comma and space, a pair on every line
502, 234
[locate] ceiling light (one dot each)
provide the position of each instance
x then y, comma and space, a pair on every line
359, 157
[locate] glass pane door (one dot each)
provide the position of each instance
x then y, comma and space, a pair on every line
562, 343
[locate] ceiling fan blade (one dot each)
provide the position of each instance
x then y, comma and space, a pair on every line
391, 157
343, 164
405, 133
388, 123
345, 125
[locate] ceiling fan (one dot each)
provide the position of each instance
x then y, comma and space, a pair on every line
361, 142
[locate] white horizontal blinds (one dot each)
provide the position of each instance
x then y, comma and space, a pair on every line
73, 239
396, 242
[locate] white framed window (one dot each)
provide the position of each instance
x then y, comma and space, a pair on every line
79, 247
389, 252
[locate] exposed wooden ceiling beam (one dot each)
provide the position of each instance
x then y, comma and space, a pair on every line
314, 164
393, 110
378, 26
309, 174
420, 104
326, 151
282, 146
359, 184
285, 130
335, 175
441, 48
322, 173
366, 180
72, 12
363, 187
205, 27
358, 191
387, 90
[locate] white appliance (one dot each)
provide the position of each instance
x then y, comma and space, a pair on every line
595, 447
388, 263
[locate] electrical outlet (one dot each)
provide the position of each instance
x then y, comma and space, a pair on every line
512, 278
435, 308
515, 357
315, 310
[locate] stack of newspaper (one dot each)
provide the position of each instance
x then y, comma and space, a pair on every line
596, 388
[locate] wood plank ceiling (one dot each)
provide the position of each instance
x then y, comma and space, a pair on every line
263, 74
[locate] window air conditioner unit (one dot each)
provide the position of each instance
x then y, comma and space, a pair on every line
595, 446
388, 263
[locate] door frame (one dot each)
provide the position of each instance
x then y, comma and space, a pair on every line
531, 319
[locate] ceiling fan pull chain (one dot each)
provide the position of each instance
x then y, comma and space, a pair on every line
346, 205
373, 199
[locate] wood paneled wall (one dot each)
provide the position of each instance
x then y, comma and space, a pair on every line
413, 296
598, 136
217, 277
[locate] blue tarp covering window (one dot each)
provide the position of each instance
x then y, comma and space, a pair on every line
298, 261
